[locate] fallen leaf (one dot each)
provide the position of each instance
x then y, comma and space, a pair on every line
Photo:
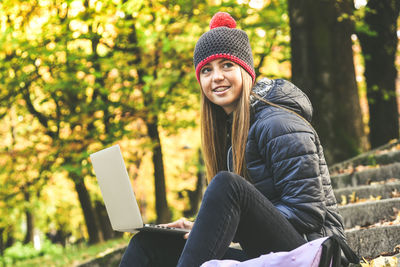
353, 197
384, 262
395, 193
344, 200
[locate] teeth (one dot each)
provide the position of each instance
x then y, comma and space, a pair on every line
220, 89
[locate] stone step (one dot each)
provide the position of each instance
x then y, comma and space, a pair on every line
365, 177
385, 158
111, 257
365, 242
373, 241
375, 159
367, 213
371, 157
366, 191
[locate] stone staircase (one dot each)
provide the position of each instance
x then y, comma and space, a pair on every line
368, 189
375, 173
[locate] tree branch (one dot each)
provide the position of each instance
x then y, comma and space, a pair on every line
40, 116
263, 55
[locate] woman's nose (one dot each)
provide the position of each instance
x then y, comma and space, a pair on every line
217, 75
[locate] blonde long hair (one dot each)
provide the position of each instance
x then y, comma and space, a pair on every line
214, 132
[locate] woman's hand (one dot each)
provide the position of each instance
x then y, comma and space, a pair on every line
181, 223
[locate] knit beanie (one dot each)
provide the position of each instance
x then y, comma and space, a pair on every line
223, 40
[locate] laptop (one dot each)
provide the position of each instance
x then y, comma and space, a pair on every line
119, 198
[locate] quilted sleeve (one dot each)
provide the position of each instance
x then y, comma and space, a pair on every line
287, 144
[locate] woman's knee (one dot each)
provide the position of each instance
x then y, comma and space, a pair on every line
146, 242
135, 253
141, 243
224, 183
143, 240
136, 243
153, 249
225, 179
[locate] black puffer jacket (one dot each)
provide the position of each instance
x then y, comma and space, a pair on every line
285, 160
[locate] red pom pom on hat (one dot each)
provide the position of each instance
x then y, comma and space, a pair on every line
222, 19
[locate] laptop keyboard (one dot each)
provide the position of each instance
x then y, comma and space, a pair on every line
160, 226
164, 227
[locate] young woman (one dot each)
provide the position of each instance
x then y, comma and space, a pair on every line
270, 187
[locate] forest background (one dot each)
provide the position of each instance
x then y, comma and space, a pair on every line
81, 75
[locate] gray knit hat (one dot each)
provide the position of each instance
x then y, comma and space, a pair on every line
223, 40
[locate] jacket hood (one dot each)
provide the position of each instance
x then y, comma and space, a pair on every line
284, 94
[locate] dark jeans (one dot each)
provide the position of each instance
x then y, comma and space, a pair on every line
231, 208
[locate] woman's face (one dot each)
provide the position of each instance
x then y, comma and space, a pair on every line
221, 82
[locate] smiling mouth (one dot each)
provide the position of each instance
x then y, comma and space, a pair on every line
221, 89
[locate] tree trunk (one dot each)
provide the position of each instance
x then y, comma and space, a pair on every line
2, 241
379, 51
87, 209
29, 221
10, 239
104, 221
162, 210
196, 195
323, 67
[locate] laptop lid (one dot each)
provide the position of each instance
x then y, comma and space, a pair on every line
116, 189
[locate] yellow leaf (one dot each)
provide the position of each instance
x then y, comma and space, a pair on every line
344, 200
384, 262
353, 197
365, 263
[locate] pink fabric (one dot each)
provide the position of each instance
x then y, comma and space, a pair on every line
307, 255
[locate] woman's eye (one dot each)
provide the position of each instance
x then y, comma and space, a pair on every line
228, 65
205, 70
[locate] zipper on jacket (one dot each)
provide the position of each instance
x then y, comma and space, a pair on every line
227, 160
